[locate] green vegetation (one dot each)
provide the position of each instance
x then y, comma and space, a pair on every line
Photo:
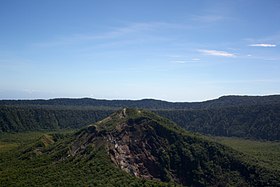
172, 155
4, 147
20, 166
255, 122
42, 171
18, 119
266, 153
10, 141
225, 101
247, 117
21, 138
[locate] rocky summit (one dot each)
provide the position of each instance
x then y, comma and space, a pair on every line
150, 147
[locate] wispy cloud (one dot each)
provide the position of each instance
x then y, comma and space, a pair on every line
179, 61
113, 33
270, 39
216, 53
183, 60
31, 91
130, 29
262, 45
195, 59
260, 57
208, 18
253, 81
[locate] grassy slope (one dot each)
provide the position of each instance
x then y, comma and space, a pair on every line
11, 141
267, 153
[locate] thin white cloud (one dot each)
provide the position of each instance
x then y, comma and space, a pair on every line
179, 61
271, 39
125, 31
261, 57
208, 18
216, 53
30, 91
262, 45
195, 59
112, 34
242, 81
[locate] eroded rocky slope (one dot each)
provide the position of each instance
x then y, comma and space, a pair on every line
148, 146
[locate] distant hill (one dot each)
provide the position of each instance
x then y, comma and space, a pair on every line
139, 147
256, 117
225, 101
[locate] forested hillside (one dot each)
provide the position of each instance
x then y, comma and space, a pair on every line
131, 147
225, 101
16, 119
241, 116
257, 122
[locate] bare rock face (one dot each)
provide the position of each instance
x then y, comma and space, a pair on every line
148, 146
132, 143
151, 147
131, 149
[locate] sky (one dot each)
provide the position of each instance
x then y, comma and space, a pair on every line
174, 50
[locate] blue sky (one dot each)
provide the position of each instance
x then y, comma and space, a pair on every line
170, 50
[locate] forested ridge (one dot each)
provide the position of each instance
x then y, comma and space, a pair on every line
257, 122
241, 116
17, 119
224, 101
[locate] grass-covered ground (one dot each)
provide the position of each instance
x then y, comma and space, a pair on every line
267, 153
12, 141
4, 146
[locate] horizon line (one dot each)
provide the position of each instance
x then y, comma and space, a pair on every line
140, 99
